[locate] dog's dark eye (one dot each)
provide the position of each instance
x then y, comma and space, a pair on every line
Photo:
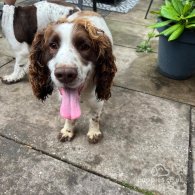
53, 46
84, 46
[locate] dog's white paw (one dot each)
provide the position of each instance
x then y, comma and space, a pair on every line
65, 135
94, 136
12, 78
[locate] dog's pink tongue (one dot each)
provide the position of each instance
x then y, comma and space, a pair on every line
70, 106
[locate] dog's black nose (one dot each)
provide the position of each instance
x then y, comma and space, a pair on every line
66, 74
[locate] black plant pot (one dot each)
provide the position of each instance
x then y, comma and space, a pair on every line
176, 59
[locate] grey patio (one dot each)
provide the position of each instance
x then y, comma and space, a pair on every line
148, 126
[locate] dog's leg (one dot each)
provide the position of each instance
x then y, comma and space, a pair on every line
67, 133
20, 67
94, 134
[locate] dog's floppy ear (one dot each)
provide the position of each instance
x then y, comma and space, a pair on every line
39, 73
105, 67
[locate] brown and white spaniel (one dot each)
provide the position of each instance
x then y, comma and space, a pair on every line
76, 56
19, 25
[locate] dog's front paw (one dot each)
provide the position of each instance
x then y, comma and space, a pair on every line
10, 79
65, 135
94, 136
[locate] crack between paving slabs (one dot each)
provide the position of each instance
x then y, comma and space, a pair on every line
1, 66
121, 183
164, 98
190, 179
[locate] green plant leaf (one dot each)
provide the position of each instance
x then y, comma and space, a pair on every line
191, 20
167, 2
191, 15
186, 8
151, 34
193, 11
190, 26
160, 24
169, 12
178, 6
171, 29
176, 33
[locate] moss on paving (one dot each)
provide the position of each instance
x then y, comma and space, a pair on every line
137, 189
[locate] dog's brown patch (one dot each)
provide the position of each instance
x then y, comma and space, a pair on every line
25, 23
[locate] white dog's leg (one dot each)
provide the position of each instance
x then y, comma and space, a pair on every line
94, 134
67, 133
21, 66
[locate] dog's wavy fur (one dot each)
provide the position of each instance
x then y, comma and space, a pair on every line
105, 67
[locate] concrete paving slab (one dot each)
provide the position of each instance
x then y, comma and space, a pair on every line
145, 138
135, 16
25, 171
143, 4
5, 49
4, 59
129, 35
138, 71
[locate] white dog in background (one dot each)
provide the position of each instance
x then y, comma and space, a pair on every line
19, 25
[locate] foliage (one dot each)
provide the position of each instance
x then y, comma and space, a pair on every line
177, 15
145, 46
